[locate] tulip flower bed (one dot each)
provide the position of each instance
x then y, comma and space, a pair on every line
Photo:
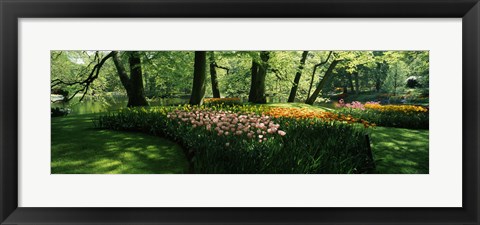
246, 139
295, 113
401, 116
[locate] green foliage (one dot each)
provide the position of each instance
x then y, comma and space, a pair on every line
170, 73
391, 118
237, 82
309, 146
75, 66
380, 71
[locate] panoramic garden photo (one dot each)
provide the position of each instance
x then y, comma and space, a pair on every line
239, 112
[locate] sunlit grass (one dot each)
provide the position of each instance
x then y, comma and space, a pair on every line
78, 148
398, 150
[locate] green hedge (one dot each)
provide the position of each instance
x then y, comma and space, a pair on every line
412, 120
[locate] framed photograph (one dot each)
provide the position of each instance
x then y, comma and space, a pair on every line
254, 112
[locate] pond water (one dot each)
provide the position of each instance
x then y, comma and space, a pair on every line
107, 103
110, 103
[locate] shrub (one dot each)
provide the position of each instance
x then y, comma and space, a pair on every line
243, 139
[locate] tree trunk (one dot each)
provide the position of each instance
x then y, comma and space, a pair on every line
395, 82
357, 84
378, 71
293, 91
260, 79
137, 92
326, 78
199, 77
213, 76
350, 82
315, 70
377, 84
311, 81
133, 84
253, 83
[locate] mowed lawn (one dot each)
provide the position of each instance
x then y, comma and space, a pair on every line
79, 148
400, 151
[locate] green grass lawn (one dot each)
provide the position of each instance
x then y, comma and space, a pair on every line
398, 150
78, 148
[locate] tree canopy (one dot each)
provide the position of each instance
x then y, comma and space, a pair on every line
257, 76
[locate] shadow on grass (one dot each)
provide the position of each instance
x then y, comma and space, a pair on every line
399, 151
78, 148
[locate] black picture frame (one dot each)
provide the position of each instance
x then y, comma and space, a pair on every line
12, 10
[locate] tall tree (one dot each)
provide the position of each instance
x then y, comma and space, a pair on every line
315, 70
379, 75
258, 79
350, 82
213, 76
357, 67
357, 82
326, 78
398, 70
78, 85
395, 81
253, 84
298, 75
133, 84
199, 77
380, 70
